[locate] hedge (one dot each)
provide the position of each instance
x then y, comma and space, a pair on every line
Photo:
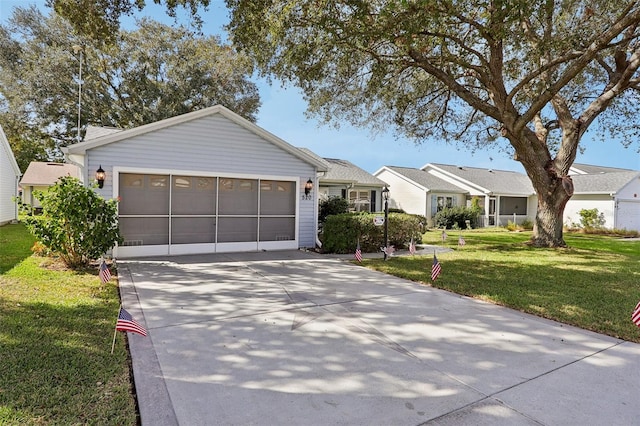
342, 232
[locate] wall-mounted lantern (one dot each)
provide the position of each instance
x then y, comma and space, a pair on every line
100, 176
308, 187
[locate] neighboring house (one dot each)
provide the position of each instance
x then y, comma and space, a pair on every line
203, 182
9, 177
503, 195
614, 192
40, 176
346, 180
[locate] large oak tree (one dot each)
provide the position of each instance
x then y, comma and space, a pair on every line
147, 74
533, 73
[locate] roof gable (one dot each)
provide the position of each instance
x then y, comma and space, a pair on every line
118, 136
6, 148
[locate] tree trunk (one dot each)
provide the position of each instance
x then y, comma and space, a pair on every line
548, 224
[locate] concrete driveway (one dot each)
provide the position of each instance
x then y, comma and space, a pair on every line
296, 338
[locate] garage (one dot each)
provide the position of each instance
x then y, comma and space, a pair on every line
204, 182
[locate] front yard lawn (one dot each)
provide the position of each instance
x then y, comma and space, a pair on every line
56, 329
593, 284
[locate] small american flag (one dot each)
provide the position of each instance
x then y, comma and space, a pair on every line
635, 316
436, 268
105, 274
412, 247
461, 241
358, 254
444, 236
127, 323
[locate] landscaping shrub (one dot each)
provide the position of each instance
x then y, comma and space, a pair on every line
76, 223
342, 232
456, 217
332, 206
591, 218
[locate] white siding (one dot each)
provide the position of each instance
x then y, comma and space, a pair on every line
404, 195
604, 203
9, 175
211, 144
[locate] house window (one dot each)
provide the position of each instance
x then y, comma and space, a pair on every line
359, 201
444, 203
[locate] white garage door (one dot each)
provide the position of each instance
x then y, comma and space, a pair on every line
628, 215
171, 214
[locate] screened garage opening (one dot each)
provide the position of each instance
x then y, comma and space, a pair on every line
176, 214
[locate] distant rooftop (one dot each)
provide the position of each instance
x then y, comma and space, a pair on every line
44, 174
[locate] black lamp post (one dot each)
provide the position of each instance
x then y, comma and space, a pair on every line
385, 196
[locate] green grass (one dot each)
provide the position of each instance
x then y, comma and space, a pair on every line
593, 284
56, 330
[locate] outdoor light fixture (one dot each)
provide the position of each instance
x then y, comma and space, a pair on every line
100, 175
307, 189
385, 197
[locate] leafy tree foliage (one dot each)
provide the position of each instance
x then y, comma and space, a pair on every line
531, 76
76, 223
100, 19
149, 74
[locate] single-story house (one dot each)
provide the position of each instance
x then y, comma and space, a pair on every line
614, 192
9, 177
346, 180
42, 175
503, 195
203, 182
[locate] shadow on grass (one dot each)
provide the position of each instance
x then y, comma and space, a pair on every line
599, 298
56, 365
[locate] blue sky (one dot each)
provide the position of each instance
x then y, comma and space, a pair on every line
282, 113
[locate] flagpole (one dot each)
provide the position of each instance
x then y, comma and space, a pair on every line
115, 331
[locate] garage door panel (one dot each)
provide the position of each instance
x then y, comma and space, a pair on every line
237, 229
193, 230
144, 231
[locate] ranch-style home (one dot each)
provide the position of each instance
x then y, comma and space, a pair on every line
203, 182
509, 196
503, 195
9, 177
42, 175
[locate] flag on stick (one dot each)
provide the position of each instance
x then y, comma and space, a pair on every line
461, 241
358, 254
435, 268
127, 323
105, 274
412, 247
635, 316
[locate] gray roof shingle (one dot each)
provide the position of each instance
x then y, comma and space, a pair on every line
495, 181
602, 182
427, 180
343, 171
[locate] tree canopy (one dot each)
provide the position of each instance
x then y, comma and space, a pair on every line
100, 19
148, 74
529, 75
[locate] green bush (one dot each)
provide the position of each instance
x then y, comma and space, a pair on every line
342, 232
76, 223
332, 206
591, 218
456, 217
